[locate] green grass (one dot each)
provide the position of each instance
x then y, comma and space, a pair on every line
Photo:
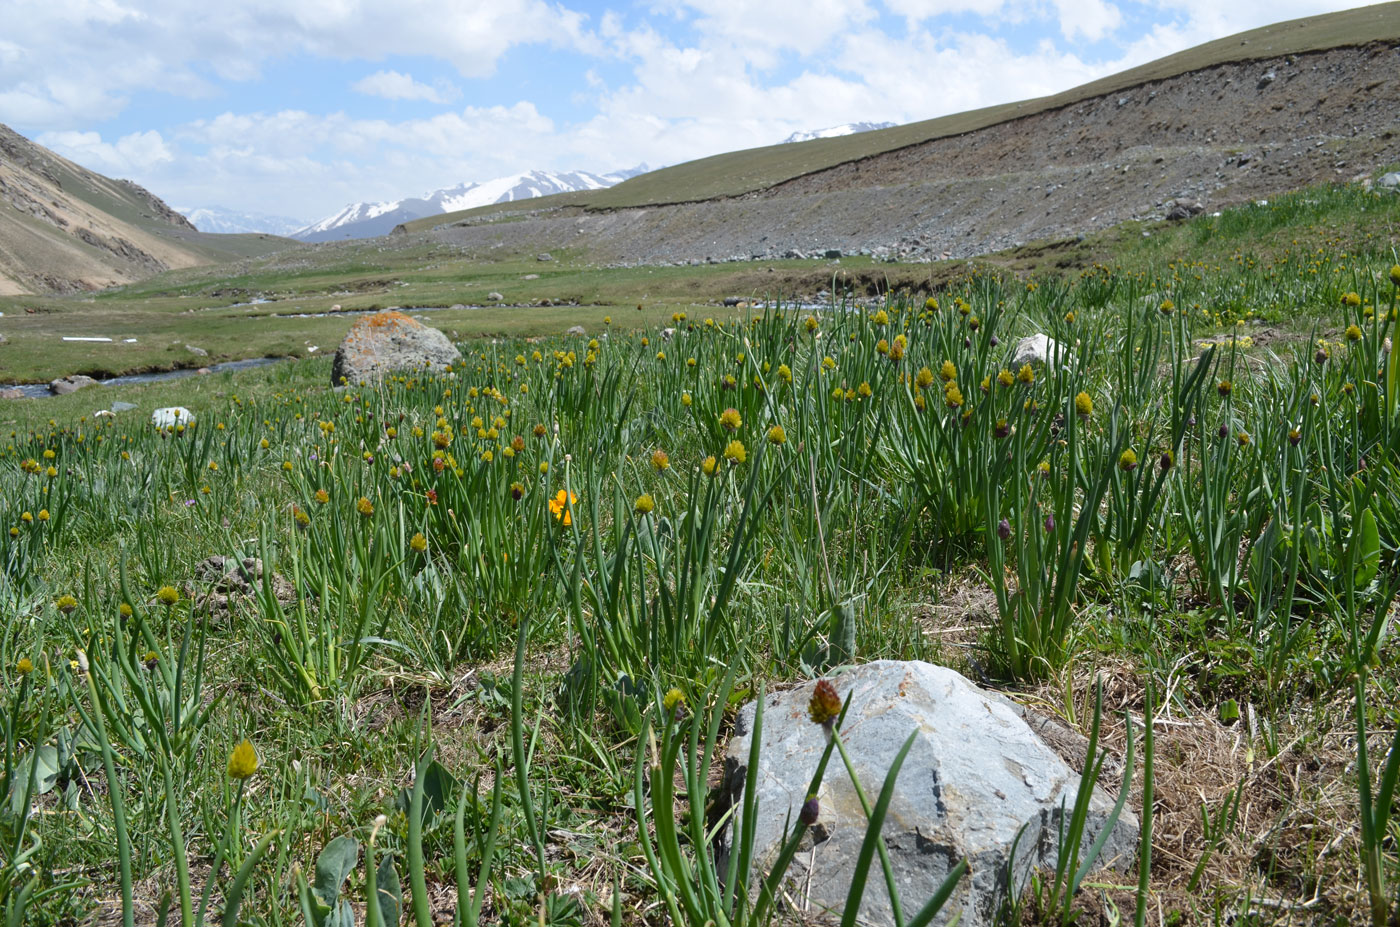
436, 599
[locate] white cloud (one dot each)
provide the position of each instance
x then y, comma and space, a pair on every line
66, 64
391, 85
137, 153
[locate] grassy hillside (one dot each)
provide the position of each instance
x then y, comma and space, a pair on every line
65, 228
739, 172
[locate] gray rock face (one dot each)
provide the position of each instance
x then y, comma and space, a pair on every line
1038, 350
120, 406
976, 778
390, 341
575, 330
66, 385
11, 393
1389, 181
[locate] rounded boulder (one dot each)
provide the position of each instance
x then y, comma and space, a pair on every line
390, 341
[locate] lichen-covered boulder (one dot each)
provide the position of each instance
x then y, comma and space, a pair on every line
977, 781
390, 341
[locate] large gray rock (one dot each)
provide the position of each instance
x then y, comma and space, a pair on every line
976, 778
1038, 350
390, 341
1389, 181
66, 385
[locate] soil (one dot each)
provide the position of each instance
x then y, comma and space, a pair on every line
1211, 138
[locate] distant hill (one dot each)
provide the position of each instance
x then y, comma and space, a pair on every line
366, 220
221, 220
66, 229
850, 128
739, 173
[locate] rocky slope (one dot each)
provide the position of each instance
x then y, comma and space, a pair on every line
1209, 138
65, 229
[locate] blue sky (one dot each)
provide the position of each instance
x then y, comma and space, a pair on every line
297, 107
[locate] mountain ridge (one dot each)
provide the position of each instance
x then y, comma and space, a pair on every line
367, 220
65, 229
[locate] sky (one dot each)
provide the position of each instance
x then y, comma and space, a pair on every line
297, 107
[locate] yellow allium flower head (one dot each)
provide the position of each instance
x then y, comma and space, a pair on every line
66, 603
1005, 378
1395, 274
418, 543
709, 465
243, 761
881, 317
322, 497
1084, 405
864, 390
931, 303
811, 323
167, 595
674, 697
124, 610
735, 453
660, 460
644, 504
1351, 299
731, 420
1025, 375
364, 506
1167, 307
24, 667
952, 395
1353, 333
948, 371
776, 435
924, 378
1127, 461
785, 373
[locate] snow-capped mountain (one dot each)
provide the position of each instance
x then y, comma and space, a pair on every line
850, 128
366, 220
224, 221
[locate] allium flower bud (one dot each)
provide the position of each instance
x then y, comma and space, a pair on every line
825, 703
1003, 529
811, 810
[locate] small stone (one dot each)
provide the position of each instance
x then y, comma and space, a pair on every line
575, 330
120, 406
11, 393
494, 297
66, 385
197, 352
1389, 181
544, 256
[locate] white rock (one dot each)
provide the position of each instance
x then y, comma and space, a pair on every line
976, 777
1039, 350
170, 416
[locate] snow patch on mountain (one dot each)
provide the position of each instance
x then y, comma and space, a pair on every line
221, 220
366, 220
850, 128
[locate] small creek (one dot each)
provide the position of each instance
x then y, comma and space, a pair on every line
40, 390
